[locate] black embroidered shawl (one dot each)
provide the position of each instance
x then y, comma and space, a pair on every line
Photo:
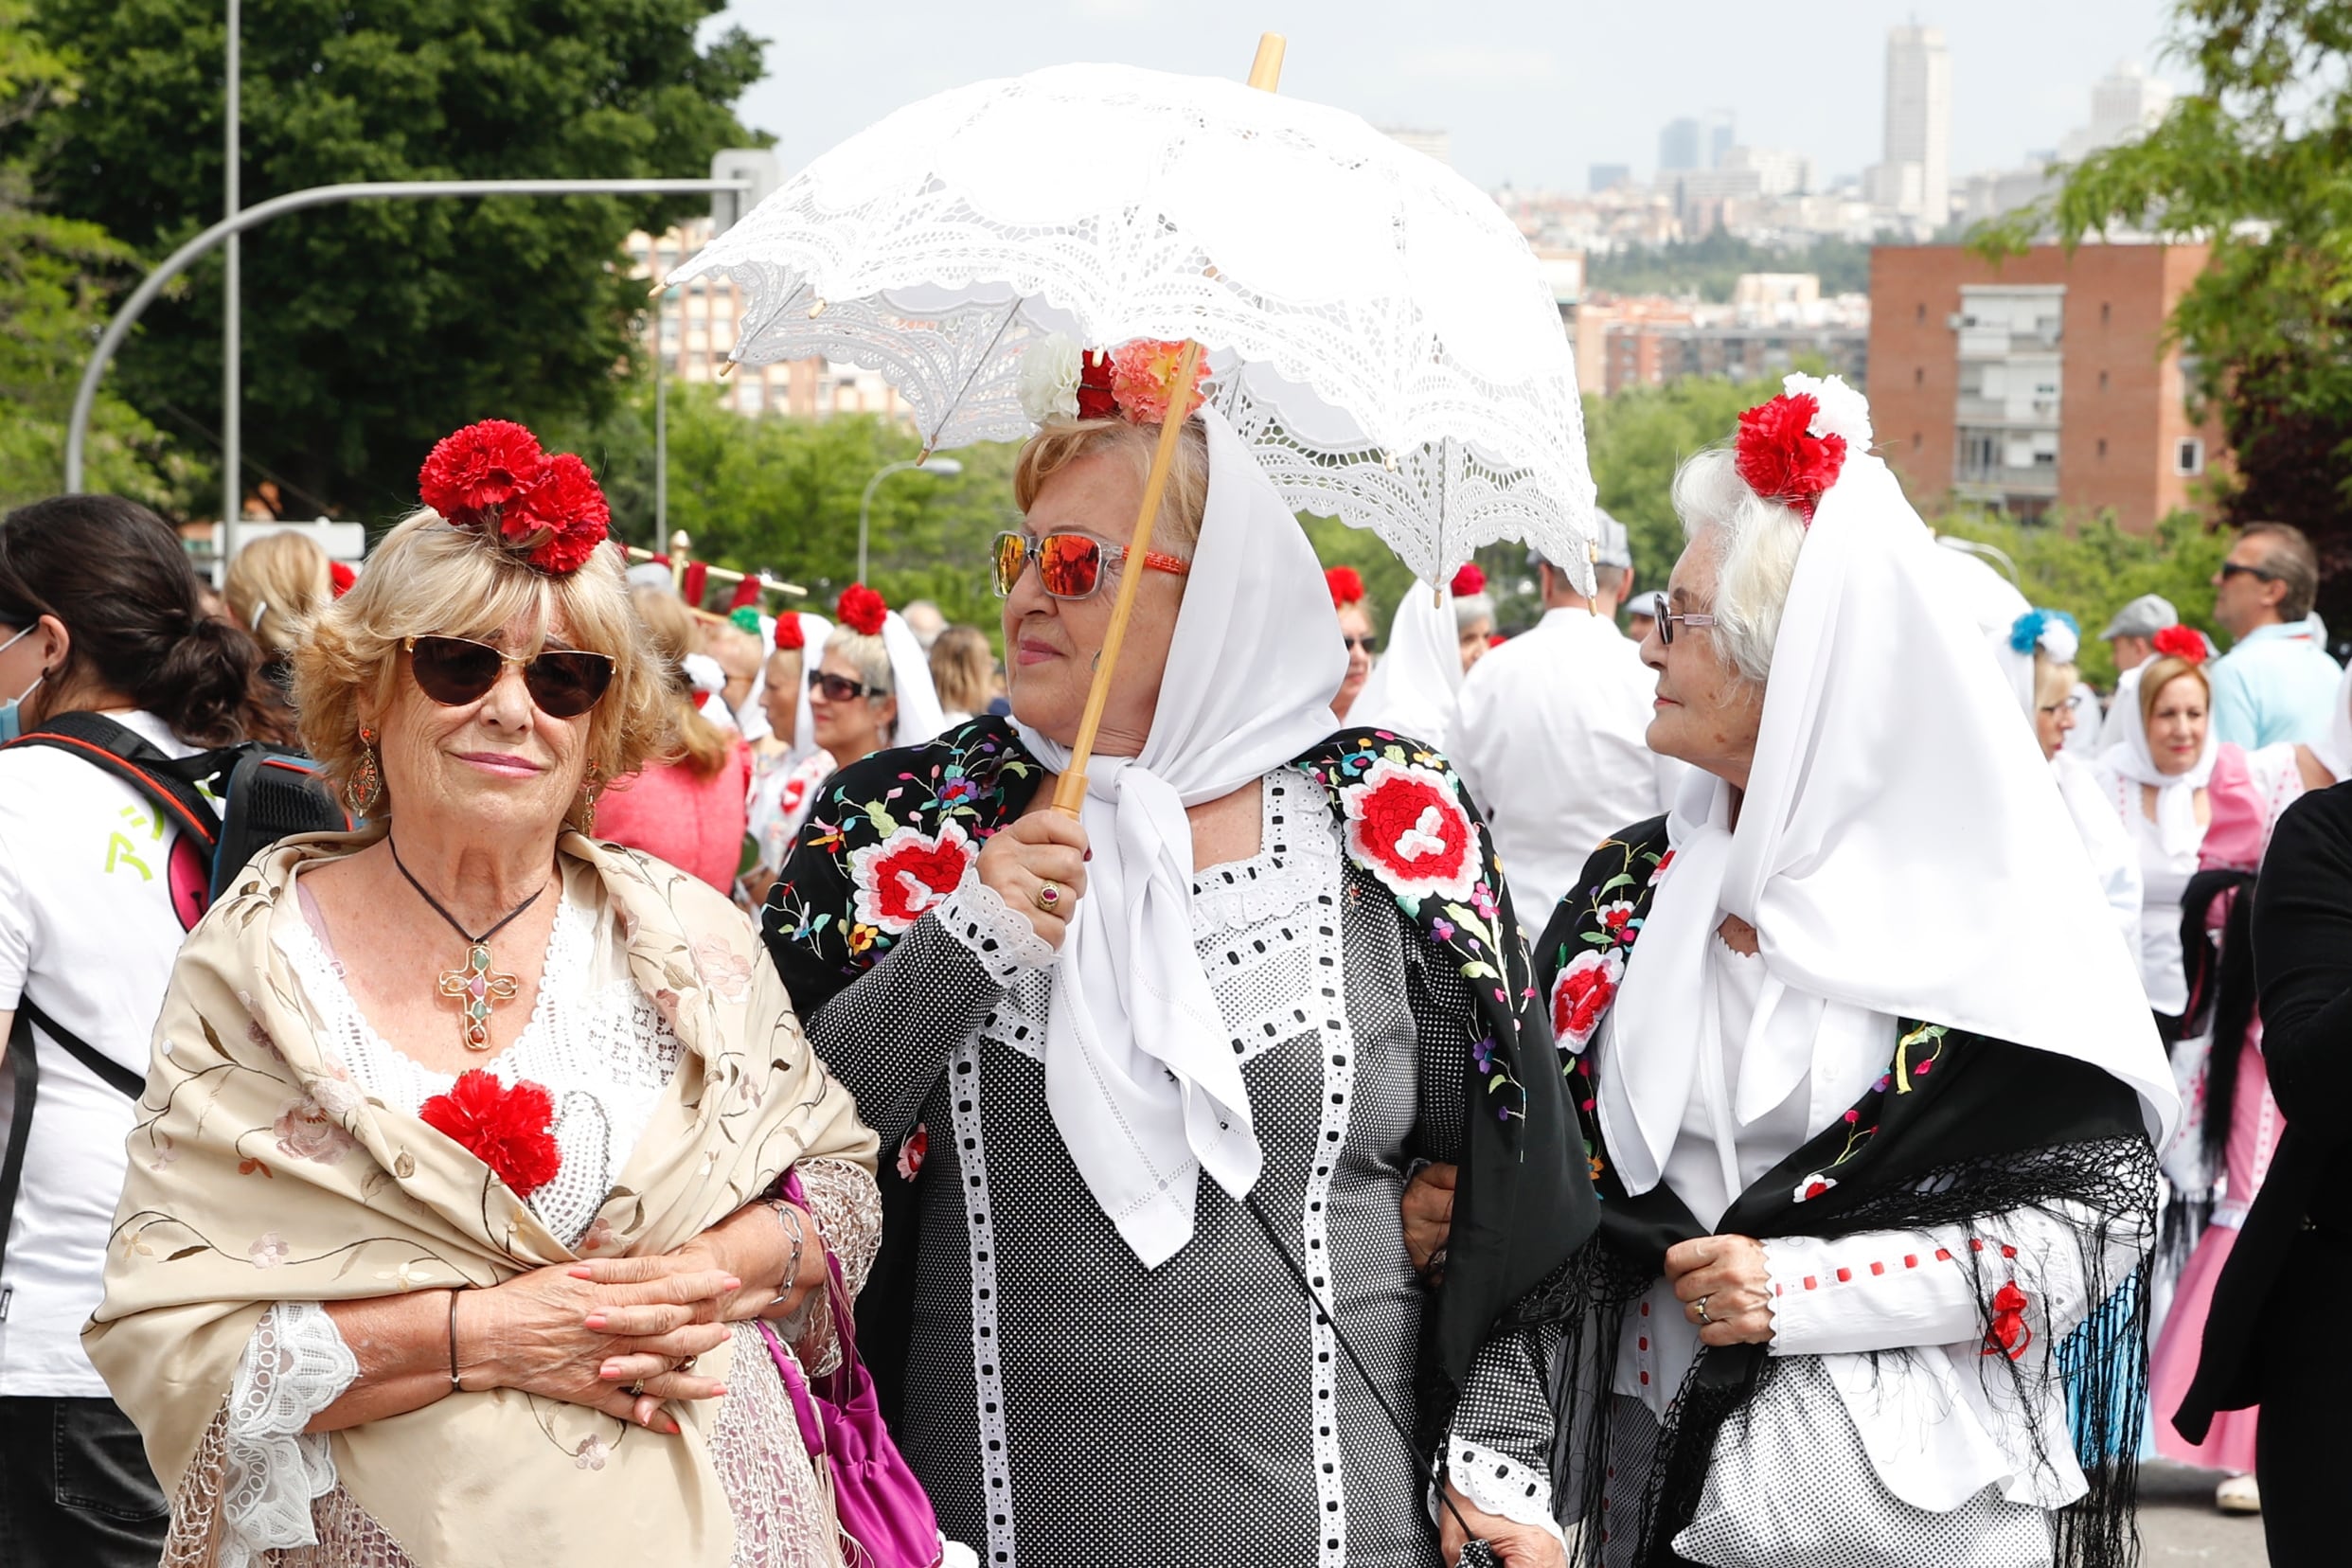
1959, 1128
1522, 1204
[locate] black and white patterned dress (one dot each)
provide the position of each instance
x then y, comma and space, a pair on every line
1067, 1406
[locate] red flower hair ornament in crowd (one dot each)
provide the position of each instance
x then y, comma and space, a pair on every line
1470, 582
790, 633
1794, 447
1346, 585
493, 477
862, 609
1060, 381
511, 1130
2180, 642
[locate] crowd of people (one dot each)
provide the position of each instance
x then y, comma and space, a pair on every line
1756, 1071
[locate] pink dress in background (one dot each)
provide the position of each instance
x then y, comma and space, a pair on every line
694, 823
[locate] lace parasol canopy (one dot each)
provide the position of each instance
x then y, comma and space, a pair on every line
1376, 329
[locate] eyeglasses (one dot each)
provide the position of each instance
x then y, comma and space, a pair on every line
565, 683
1665, 625
1069, 565
838, 688
1368, 645
2230, 568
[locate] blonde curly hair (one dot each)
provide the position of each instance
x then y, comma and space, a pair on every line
428, 579
1183, 505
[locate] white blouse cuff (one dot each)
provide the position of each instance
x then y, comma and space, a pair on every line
1872, 1291
997, 934
1500, 1486
295, 1366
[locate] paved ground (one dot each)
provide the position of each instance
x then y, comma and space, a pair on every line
2179, 1526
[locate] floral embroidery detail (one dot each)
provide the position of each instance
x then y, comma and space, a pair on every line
912, 1150
165, 1153
909, 874
2011, 1335
1582, 995
1405, 825
1659, 870
306, 1132
598, 1238
269, 1251
408, 1277
724, 970
1618, 920
1812, 1186
591, 1454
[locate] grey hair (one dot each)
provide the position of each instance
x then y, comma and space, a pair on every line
1473, 607
1756, 546
868, 656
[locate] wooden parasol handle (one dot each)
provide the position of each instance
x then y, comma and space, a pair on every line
1070, 790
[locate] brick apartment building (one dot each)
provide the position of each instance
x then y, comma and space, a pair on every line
2043, 383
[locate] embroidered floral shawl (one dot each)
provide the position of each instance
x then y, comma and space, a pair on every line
259, 1172
891, 836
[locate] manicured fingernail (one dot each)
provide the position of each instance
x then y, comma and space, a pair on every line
1089, 855
610, 1371
666, 1426
720, 1392
734, 1284
596, 1321
582, 1272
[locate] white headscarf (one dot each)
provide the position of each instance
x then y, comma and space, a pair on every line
1140, 1072
1416, 687
2177, 829
2334, 749
921, 717
1901, 852
813, 631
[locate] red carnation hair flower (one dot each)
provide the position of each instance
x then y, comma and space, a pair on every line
472, 472
862, 609
789, 631
560, 514
2180, 642
341, 577
1096, 398
1780, 457
511, 1130
1470, 582
1346, 585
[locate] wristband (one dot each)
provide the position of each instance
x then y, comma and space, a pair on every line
789, 1216
454, 1387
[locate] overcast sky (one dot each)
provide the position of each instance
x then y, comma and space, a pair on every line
1532, 91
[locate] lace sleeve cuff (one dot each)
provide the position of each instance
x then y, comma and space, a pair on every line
1499, 1484
295, 1366
997, 934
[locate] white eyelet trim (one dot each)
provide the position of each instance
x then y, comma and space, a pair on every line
998, 934
987, 1377
1498, 1484
1339, 1083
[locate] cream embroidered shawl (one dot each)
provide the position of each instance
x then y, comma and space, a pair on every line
259, 1173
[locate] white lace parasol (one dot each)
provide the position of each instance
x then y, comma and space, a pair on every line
1374, 327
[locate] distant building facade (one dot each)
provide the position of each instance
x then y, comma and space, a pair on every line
1679, 146
2041, 383
1913, 176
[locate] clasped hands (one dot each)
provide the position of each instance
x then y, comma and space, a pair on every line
621, 1334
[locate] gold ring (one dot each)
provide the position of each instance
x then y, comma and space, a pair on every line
688, 1365
1702, 1305
1049, 896
637, 1387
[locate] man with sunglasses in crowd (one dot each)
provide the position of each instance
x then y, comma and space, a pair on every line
2276, 683
1550, 733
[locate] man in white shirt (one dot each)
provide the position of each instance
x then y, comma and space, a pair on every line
2132, 635
1549, 734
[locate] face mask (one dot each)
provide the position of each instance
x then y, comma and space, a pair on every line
10, 724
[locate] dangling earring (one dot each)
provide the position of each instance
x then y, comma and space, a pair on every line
588, 804
367, 779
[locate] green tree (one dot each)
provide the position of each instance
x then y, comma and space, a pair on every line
372, 330
1639, 437
1710, 265
2252, 162
56, 276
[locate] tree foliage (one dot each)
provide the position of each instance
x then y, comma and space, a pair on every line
1710, 265
371, 329
2254, 162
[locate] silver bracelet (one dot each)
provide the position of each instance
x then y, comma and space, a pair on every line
786, 1215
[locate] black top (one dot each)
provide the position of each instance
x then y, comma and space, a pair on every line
2303, 961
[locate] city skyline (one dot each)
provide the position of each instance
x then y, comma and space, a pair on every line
1522, 102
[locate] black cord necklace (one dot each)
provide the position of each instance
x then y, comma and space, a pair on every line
474, 985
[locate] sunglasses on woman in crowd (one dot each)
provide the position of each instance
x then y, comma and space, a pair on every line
1069, 565
564, 682
837, 689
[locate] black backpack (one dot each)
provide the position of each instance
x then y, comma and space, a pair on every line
263, 793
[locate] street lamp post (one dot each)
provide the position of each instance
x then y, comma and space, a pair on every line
945, 468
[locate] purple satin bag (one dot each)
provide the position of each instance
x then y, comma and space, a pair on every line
885, 1517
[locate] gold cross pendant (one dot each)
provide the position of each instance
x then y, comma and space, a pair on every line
476, 987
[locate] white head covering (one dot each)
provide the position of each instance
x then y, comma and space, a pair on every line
919, 714
2177, 828
2334, 750
1898, 820
813, 631
1140, 1073
1417, 684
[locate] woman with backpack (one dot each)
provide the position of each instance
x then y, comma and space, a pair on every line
99, 613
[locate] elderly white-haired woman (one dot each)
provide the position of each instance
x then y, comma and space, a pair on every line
475, 1152
1157, 1073
1863, 1070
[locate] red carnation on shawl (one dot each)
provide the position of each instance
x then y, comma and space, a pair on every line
1780, 457
1470, 582
1096, 400
471, 470
340, 576
564, 508
2180, 642
862, 609
511, 1130
1346, 585
789, 633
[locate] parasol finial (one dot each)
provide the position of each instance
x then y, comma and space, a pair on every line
1266, 70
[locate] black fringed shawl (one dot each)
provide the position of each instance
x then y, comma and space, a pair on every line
1959, 1128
